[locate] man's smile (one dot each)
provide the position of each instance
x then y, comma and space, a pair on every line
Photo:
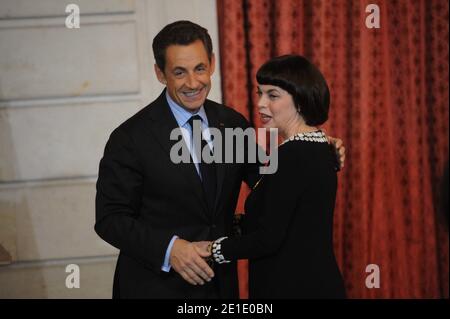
193, 95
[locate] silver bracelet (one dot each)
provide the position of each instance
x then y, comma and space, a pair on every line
216, 251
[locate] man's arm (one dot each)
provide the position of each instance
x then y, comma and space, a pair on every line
118, 201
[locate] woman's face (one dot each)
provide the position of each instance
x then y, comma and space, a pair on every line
276, 108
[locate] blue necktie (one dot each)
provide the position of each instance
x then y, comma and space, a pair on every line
207, 170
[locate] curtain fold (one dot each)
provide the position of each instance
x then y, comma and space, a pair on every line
389, 103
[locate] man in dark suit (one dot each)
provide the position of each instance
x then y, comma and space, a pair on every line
151, 208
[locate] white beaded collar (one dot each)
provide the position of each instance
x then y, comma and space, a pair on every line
316, 136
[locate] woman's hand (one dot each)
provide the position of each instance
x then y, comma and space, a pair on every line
203, 248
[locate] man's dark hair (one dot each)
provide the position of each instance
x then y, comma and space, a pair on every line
301, 79
181, 33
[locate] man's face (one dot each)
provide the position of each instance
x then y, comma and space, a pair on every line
187, 74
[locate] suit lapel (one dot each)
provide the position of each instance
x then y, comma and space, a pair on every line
163, 124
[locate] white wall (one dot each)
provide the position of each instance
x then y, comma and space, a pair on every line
62, 91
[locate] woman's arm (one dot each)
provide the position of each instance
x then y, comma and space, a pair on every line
282, 192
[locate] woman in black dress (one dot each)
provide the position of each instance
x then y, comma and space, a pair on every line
288, 224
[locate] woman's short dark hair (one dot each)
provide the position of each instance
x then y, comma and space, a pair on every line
181, 33
301, 79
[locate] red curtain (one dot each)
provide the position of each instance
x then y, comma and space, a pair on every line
389, 89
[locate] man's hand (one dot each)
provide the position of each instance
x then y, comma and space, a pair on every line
340, 150
187, 260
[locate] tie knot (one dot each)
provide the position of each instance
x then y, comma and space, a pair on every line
194, 118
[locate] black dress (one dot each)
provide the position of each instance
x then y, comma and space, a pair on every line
288, 227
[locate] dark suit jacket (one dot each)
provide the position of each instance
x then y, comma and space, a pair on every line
288, 227
143, 199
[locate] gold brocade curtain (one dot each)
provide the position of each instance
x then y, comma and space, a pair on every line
389, 103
